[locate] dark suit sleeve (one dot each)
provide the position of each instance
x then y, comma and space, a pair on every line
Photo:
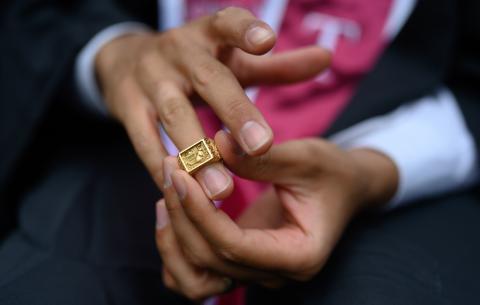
464, 78
39, 40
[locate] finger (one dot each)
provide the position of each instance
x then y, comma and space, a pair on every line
237, 27
194, 246
161, 85
282, 68
278, 165
169, 281
141, 125
276, 250
217, 85
193, 283
181, 123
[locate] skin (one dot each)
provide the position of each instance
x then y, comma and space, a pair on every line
287, 234
151, 78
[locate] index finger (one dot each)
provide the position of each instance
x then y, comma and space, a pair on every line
217, 85
237, 27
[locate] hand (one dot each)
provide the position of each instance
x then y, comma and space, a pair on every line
149, 78
288, 233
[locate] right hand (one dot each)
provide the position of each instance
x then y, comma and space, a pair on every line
148, 78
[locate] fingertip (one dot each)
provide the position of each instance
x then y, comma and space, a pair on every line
255, 137
238, 27
261, 150
162, 218
195, 196
325, 55
260, 38
179, 184
215, 180
227, 191
322, 58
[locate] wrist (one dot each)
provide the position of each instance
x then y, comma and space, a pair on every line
378, 174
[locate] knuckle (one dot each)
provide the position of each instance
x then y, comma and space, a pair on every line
173, 38
172, 111
220, 16
173, 208
143, 67
166, 90
222, 20
194, 291
237, 109
204, 74
197, 258
231, 11
228, 254
144, 61
162, 244
311, 146
171, 107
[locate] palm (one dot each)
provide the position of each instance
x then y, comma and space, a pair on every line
304, 211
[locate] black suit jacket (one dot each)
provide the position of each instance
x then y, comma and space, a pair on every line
39, 41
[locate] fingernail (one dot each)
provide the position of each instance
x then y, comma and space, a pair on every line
162, 215
215, 180
167, 174
180, 186
258, 35
254, 135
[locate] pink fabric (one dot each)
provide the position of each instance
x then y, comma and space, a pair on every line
307, 109
197, 8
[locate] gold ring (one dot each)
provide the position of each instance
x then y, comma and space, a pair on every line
198, 155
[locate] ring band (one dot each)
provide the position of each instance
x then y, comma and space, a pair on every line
199, 154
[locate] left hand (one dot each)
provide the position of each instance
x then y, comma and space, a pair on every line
288, 233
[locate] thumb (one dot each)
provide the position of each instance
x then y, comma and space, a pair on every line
236, 27
279, 165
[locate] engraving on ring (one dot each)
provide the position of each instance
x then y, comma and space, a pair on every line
195, 156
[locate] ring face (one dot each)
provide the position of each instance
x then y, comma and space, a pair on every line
197, 155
